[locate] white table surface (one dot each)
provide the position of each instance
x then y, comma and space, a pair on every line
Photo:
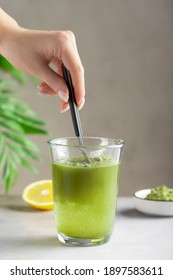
26, 233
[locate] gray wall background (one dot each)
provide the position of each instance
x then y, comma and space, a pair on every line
126, 47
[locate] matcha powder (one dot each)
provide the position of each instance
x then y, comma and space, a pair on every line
161, 193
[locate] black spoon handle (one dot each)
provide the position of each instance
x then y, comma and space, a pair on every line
74, 111
72, 102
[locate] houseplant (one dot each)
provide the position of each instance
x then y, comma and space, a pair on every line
17, 121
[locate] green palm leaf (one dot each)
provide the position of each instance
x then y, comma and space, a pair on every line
5, 84
22, 151
17, 120
3, 157
10, 173
17, 74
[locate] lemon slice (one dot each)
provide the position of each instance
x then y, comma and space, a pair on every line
39, 194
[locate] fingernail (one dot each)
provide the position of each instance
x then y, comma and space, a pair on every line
43, 93
62, 110
63, 95
81, 104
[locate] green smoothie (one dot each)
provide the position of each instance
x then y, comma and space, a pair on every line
85, 196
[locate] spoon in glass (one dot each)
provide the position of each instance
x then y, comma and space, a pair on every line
75, 112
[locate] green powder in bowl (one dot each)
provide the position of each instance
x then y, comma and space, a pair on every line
161, 193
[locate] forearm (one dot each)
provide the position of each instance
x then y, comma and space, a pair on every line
7, 27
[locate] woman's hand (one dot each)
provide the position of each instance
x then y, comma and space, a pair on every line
41, 53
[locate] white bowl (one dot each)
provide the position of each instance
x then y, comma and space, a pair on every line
152, 207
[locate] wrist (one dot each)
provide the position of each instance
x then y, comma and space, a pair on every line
8, 28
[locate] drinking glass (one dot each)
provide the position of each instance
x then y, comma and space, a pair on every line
85, 188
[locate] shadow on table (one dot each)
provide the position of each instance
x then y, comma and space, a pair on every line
133, 213
15, 203
21, 208
37, 242
41, 242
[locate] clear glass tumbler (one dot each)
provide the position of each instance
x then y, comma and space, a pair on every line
85, 188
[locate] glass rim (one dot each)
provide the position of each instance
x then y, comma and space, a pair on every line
118, 143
